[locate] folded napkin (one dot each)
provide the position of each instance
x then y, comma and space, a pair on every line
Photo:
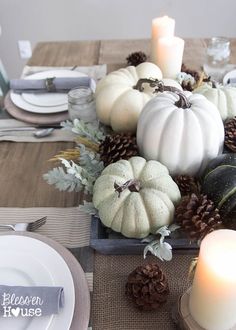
60, 84
42, 300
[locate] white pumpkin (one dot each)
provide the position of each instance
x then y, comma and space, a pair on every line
140, 211
224, 97
183, 139
172, 82
118, 104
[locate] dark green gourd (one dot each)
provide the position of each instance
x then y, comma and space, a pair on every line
219, 182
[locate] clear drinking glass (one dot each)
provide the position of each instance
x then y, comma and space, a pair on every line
81, 104
217, 57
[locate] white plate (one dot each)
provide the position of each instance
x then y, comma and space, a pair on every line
46, 102
28, 261
230, 74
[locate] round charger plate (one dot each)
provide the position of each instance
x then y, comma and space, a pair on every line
81, 315
45, 102
30, 262
33, 118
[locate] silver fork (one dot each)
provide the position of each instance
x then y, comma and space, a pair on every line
26, 226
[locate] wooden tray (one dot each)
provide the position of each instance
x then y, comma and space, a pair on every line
107, 241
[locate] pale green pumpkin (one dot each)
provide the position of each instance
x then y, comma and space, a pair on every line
147, 202
224, 97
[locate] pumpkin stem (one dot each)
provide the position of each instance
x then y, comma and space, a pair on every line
211, 81
160, 87
150, 81
183, 102
133, 185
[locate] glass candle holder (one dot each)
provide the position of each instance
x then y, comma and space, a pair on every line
81, 104
217, 57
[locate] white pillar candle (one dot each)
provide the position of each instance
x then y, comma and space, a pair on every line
161, 27
169, 56
213, 295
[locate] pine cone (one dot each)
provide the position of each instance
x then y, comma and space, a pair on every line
147, 287
230, 134
187, 86
187, 184
197, 216
136, 58
118, 146
195, 74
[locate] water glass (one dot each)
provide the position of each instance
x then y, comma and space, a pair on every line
81, 104
217, 57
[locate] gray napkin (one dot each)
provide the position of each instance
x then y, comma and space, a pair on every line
48, 300
59, 85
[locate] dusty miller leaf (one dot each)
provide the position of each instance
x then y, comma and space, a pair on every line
161, 250
91, 161
62, 180
163, 231
158, 247
85, 175
68, 125
89, 208
91, 130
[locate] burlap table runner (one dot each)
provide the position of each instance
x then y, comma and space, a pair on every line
111, 309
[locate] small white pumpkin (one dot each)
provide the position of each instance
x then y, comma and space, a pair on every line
135, 197
224, 97
118, 104
183, 137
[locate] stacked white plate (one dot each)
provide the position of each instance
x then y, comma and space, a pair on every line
29, 259
45, 103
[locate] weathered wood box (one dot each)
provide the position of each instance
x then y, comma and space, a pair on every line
107, 241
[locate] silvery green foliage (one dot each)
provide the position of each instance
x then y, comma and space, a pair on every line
89, 208
62, 180
91, 161
67, 125
77, 176
80, 176
91, 131
158, 247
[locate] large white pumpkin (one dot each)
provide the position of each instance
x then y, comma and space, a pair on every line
118, 104
183, 139
135, 213
224, 97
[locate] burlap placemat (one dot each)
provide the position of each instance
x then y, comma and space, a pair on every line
68, 226
28, 136
111, 309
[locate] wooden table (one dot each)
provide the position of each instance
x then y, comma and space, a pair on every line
23, 164
22, 185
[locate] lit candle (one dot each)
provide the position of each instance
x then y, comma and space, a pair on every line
161, 27
213, 295
169, 56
